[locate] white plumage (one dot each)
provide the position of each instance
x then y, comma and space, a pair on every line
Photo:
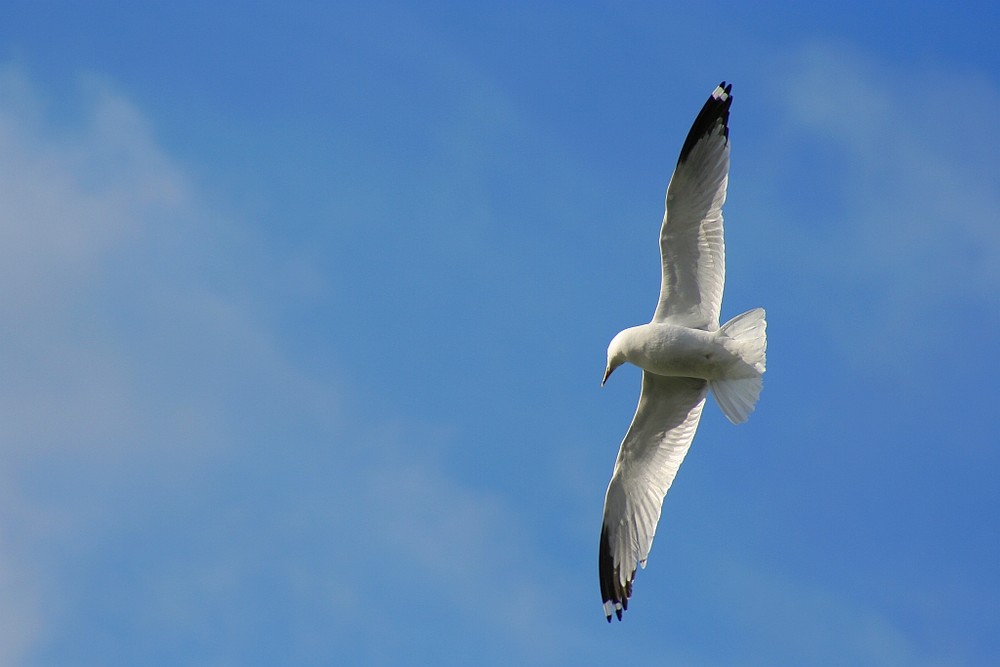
683, 353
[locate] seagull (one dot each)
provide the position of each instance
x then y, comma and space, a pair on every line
683, 353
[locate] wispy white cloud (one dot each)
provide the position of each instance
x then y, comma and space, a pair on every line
83, 403
148, 401
73, 195
905, 186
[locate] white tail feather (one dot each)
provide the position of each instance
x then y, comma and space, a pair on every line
737, 393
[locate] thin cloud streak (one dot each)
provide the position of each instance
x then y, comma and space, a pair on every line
149, 401
923, 181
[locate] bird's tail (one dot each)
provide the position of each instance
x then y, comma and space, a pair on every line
737, 393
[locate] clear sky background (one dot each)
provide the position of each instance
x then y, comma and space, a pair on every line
304, 310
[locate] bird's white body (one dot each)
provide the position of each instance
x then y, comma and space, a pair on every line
678, 351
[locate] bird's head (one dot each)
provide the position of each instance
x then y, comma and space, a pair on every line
616, 356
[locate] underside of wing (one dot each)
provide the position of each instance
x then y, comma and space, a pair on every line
692, 248
654, 447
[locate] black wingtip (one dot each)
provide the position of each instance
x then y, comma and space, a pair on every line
612, 590
715, 112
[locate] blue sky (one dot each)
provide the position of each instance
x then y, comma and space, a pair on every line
305, 311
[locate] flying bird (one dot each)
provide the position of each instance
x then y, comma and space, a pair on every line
683, 353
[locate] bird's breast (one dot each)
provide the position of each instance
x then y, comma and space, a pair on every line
673, 350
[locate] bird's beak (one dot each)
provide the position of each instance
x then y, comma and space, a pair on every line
607, 372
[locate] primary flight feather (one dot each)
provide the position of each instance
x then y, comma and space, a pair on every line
683, 353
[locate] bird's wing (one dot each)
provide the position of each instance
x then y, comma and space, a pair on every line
692, 249
652, 451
